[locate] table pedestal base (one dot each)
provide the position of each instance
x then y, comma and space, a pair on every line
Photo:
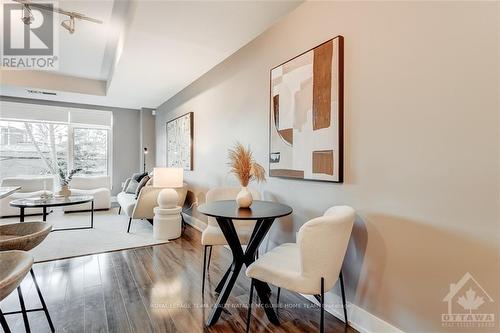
263, 213
241, 259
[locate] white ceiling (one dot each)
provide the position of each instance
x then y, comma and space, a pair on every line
146, 51
82, 53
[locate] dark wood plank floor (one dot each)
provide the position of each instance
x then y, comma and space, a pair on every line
152, 289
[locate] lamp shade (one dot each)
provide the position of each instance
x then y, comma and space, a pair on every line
168, 177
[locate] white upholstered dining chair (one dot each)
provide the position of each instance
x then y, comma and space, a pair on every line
212, 235
313, 264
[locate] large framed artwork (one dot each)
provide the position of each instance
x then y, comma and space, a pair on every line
306, 115
180, 142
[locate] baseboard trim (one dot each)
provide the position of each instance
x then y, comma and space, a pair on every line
194, 222
359, 319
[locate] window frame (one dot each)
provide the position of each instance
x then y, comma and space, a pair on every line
71, 138
71, 130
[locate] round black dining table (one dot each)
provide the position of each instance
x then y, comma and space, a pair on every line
227, 213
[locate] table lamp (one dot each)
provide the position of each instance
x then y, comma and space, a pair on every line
169, 178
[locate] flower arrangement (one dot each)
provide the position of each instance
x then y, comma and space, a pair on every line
243, 165
64, 179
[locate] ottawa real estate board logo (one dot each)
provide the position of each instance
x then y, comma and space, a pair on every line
29, 38
469, 305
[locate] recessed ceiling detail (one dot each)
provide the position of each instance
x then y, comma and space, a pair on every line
144, 52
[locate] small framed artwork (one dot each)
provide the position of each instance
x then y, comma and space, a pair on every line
180, 142
306, 115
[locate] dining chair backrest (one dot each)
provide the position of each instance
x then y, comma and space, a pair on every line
323, 243
227, 193
14, 265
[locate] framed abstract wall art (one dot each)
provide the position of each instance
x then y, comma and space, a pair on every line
306, 115
180, 142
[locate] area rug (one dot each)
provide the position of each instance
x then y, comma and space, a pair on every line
109, 234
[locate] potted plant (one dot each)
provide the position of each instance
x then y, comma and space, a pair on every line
64, 181
244, 167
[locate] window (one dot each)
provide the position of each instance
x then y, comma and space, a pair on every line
44, 139
32, 148
90, 150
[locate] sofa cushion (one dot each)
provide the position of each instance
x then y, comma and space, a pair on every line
141, 184
132, 186
125, 184
138, 176
134, 182
102, 199
89, 182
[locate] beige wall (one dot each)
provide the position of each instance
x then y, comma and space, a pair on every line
421, 144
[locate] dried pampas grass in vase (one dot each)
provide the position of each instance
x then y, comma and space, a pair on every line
244, 167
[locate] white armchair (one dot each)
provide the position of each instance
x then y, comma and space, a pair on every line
96, 186
313, 264
31, 186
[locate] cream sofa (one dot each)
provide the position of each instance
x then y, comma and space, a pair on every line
31, 186
96, 186
142, 207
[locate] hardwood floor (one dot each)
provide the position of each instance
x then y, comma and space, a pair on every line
152, 289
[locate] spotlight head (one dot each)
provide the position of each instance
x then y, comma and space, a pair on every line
27, 17
69, 25
27, 20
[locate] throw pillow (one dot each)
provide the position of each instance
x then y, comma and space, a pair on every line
132, 186
139, 176
125, 184
141, 184
135, 175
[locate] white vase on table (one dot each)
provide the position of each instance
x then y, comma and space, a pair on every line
244, 198
65, 191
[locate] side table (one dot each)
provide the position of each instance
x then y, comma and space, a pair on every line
167, 223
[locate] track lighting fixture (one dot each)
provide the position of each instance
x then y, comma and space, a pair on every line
69, 24
27, 17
